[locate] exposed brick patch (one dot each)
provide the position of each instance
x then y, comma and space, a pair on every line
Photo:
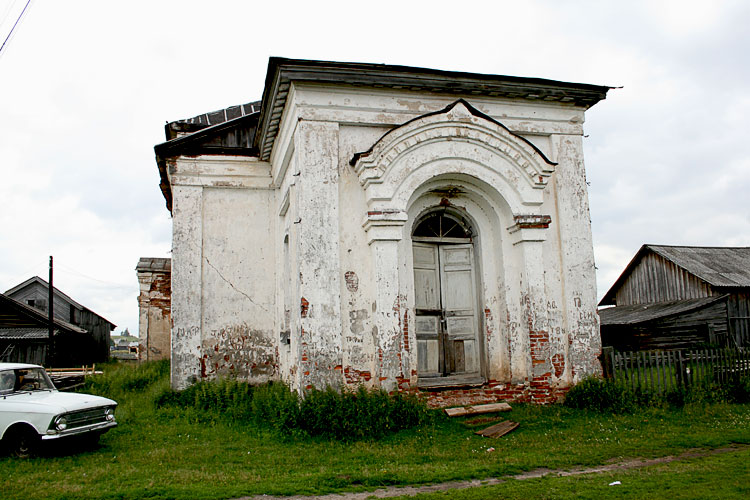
538, 342
537, 391
533, 221
404, 384
488, 324
352, 281
558, 362
406, 330
356, 377
304, 307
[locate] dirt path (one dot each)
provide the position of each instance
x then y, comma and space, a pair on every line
395, 491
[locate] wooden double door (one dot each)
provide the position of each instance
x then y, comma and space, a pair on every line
446, 320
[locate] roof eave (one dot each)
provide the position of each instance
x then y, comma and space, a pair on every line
282, 72
189, 145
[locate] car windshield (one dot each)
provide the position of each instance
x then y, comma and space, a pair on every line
24, 379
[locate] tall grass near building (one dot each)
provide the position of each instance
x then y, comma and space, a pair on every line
342, 415
178, 449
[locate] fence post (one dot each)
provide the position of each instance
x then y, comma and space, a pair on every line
681, 379
606, 359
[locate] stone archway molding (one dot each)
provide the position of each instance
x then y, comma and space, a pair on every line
459, 132
457, 140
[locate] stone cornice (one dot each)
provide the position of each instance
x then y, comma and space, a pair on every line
283, 72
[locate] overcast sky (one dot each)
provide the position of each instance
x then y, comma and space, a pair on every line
86, 87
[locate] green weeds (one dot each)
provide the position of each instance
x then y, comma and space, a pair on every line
597, 394
346, 416
206, 443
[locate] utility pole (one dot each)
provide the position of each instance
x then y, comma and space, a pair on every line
51, 342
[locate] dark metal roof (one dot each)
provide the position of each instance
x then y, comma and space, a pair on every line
717, 266
24, 333
190, 125
151, 264
282, 72
641, 313
230, 131
721, 267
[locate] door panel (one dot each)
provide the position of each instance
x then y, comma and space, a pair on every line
445, 299
458, 296
426, 276
427, 301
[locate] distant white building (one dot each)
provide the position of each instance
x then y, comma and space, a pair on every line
388, 226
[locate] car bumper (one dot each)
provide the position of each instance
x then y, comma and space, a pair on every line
100, 428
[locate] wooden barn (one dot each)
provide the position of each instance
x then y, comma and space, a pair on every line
672, 297
91, 348
24, 336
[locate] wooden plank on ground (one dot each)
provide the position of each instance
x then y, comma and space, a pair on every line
477, 409
498, 430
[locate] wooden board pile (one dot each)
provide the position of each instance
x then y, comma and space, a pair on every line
494, 431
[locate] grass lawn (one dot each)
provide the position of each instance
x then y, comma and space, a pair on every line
183, 454
718, 477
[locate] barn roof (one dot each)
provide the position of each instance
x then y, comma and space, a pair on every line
17, 316
641, 313
720, 267
717, 266
44, 284
23, 333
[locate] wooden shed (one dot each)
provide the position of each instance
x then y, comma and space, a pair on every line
678, 297
24, 336
94, 348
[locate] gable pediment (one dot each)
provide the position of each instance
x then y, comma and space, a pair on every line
460, 138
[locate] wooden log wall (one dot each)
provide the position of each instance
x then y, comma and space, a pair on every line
655, 279
739, 317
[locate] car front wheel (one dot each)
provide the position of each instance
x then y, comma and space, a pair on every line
23, 443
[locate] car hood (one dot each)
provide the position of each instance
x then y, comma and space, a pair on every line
56, 402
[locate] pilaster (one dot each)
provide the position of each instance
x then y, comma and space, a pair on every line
320, 342
187, 306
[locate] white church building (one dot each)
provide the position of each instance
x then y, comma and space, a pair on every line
398, 227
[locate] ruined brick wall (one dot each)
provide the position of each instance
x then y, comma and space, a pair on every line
155, 308
539, 392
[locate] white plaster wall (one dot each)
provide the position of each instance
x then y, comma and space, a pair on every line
223, 276
344, 287
318, 257
238, 284
358, 302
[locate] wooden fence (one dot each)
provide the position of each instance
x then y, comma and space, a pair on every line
663, 371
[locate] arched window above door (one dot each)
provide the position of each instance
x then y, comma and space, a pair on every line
443, 226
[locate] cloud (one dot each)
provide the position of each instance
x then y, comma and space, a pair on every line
87, 87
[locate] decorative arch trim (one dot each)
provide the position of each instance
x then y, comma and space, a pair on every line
458, 122
471, 109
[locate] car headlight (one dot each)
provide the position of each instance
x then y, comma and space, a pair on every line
61, 423
109, 413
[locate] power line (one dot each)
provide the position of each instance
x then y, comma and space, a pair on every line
111, 284
37, 269
9, 7
14, 26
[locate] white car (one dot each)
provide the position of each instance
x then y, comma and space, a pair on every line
32, 410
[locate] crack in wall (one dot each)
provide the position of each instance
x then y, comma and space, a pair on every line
232, 285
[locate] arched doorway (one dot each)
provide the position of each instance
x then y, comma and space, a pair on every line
445, 291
